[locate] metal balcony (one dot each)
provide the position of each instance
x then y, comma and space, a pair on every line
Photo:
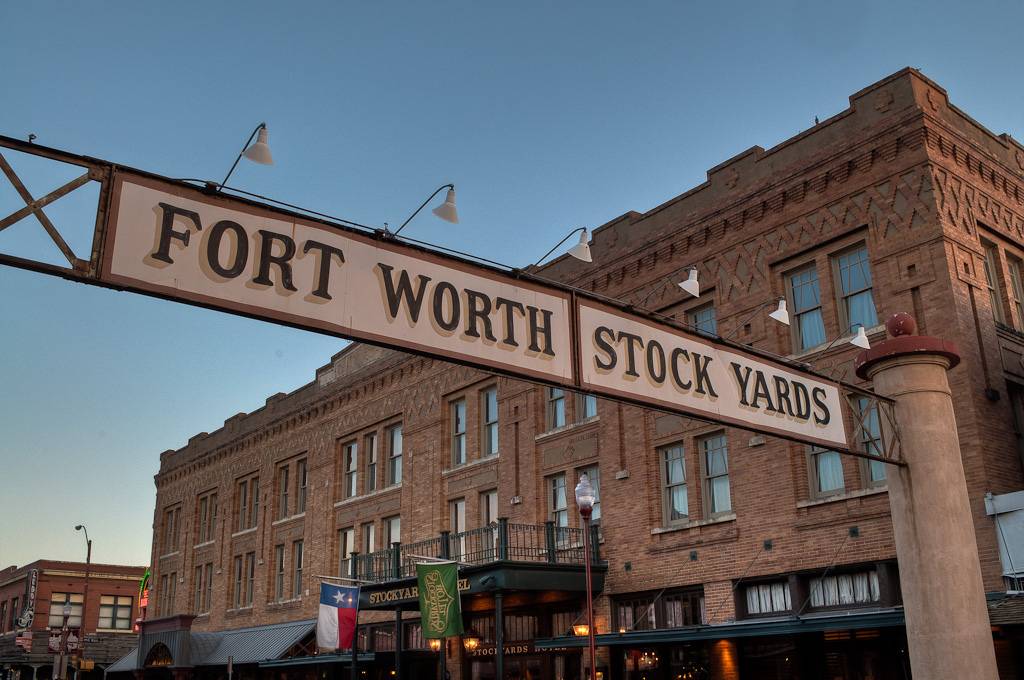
502, 541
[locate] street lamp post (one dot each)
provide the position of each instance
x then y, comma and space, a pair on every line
60, 669
85, 593
585, 498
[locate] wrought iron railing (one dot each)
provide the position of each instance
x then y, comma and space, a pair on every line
500, 541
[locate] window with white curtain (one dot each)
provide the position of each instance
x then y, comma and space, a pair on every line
826, 472
840, 590
767, 598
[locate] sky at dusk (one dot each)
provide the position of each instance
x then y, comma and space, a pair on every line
547, 116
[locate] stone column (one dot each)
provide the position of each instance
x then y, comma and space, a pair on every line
948, 627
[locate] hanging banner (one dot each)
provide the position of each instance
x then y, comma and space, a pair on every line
440, 604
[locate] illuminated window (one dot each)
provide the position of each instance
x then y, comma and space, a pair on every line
115, 612
57, 602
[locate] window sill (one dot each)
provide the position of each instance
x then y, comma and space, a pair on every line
243, 532
204, 544
566, 428
170, 554
818, 349
850, 495
290, 603
289, 518
471, 464
117, 631
240, 611
365, 496
729, 517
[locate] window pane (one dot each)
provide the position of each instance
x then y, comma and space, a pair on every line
679, 502
860, 310
720, 499
829, 470
812, 329
704, 319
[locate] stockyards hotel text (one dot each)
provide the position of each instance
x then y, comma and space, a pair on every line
183, 243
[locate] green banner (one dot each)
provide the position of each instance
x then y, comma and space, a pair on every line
440, 605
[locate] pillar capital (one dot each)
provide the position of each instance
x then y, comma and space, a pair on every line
903, 343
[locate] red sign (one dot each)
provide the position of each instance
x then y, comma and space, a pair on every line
24, 641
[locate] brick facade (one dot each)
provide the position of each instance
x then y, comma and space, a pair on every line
901, 171
104, 644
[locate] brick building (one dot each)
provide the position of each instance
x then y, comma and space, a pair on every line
723, 554
32, 600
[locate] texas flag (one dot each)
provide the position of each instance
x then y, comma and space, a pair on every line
336, 623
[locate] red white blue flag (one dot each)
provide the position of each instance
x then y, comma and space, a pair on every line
336, 623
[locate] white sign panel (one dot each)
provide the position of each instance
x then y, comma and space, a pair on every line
643, 361
184, 243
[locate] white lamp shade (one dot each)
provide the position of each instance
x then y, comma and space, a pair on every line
691, 285
861, 339
581, 251
258, 151
781, 314
446, 211
585, 495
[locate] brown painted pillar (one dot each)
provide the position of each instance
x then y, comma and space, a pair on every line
948, 628
724, 660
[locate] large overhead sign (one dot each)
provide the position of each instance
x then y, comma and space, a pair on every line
183, 243
172, 239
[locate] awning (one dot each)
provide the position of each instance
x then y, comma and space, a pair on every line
251, 645
790, 625
244, 645
125, 664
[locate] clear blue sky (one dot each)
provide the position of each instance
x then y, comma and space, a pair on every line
547, 116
